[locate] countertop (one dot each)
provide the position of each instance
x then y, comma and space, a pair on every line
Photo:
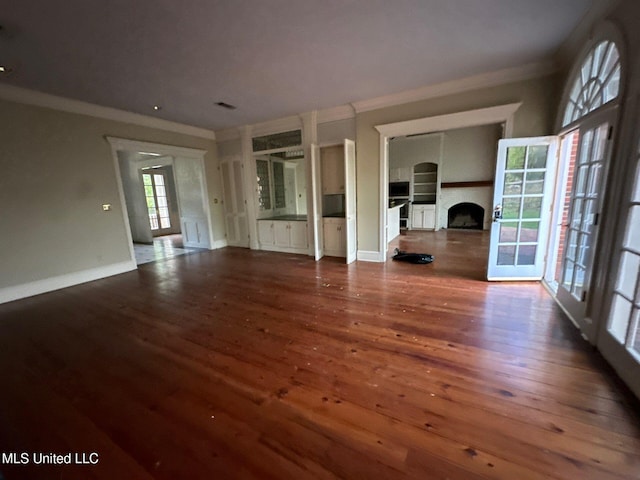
287, 218
334, 215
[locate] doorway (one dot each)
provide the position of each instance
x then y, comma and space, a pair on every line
501, 115
176, 168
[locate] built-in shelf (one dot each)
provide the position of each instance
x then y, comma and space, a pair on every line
425, 183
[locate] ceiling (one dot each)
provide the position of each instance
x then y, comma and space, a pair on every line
269, 58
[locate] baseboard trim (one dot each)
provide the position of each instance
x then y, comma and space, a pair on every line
370, 256
38, 287
219, 244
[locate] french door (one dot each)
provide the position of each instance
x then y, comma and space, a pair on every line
581, 228
158, 201
619, 338
524, 182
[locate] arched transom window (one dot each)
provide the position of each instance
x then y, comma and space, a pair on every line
596, 83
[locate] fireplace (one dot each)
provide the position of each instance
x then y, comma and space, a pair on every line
466, 215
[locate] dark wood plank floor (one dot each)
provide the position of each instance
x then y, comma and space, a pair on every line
243, 364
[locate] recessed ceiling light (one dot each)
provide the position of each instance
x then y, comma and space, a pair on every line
157, 107
3, 69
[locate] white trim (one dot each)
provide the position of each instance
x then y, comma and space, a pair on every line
219, 244
38, 287
334, 114
483, 116
475, 82
39, 99
371, 256
279, 125
169, 150
440, 123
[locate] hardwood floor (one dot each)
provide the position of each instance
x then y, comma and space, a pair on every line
246, 364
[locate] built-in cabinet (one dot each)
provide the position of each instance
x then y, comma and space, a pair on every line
423, 217
425, 186
283, 236
332, 165
402, 174
334, 234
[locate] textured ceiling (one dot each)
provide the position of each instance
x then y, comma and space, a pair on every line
270, 58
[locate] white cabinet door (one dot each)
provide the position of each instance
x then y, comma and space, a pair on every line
417, 218
265, 233
281, 234
298, 234
423, 217
335, 243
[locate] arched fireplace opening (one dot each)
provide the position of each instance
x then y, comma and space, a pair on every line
466, 215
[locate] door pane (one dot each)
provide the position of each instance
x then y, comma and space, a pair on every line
507, 255
511, 208
513, 183
532, 207
627, 278
515, 158
529, 232
526, 254
508, 232
537, 157
535, 183
619, 318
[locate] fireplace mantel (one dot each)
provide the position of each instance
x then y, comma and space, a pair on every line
480, 183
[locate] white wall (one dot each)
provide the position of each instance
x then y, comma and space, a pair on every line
406, 152
57, 171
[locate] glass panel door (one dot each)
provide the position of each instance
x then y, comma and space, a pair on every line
155, 192
583, 218
525, 173
620, 344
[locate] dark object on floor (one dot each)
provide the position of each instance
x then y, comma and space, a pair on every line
413, 257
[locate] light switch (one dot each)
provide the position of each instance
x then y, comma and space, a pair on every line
106, 207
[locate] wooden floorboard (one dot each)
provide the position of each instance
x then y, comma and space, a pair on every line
246, 364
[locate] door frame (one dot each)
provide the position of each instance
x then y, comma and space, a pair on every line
470, 118
188, 154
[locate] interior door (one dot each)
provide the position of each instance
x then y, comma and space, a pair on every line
525, 174
620, 340
194, 216
234, 202
585, 204
316, 208
350, 199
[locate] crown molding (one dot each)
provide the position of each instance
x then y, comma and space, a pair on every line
334, 114
475, 82
294, 122
40, 99
167, 150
